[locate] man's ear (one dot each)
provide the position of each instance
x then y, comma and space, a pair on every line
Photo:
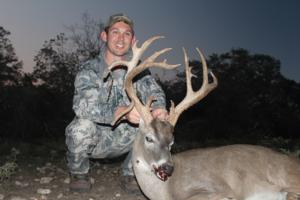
103, 36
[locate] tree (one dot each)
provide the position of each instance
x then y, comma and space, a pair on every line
10, 66
252, 97
56, 65
59, 58
85, 36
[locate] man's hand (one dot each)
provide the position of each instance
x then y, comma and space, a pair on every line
160, 114
133, 116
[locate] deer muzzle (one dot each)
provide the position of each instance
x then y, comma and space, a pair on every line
164, 171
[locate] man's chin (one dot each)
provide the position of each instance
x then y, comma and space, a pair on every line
120, 53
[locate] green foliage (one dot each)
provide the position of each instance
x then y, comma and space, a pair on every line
10, 166
10, 66
56, 65
32, 112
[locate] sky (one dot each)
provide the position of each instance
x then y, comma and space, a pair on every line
215, 26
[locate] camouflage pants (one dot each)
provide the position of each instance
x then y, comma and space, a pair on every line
86, 139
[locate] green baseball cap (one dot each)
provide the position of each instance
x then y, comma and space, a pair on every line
120, 17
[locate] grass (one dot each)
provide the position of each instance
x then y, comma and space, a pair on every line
10, 166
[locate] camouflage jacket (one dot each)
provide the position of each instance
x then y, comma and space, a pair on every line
98, 93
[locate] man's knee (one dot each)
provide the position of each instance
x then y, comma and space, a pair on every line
80, 134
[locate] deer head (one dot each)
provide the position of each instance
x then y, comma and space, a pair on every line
156, 137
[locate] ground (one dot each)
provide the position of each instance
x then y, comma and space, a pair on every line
41, 173
39, 170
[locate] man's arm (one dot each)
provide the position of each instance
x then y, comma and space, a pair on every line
146, 87
86, 103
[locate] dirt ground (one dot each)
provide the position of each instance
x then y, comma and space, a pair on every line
42, 174
41, 171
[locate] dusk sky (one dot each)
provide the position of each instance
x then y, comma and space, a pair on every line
216, 26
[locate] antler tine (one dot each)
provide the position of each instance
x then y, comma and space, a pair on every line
137, 53
192, 97
120, 115
148, 42
204, 67
129, 108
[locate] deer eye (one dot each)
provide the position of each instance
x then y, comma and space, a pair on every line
148, 139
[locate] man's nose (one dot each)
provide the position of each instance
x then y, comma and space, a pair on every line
121, 37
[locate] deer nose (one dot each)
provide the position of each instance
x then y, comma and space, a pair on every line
168, 168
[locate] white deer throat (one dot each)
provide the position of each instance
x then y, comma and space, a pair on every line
151, 185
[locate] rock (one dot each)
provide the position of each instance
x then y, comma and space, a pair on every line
18, 198
43, 191
19, 183
45, 180
60, 170
67, 180
101, 188
41, 170
52, 174
92, 180
60, 196
1, 196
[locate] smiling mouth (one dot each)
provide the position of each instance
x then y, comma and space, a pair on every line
161, 173
120, 46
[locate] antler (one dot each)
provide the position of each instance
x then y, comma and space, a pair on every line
192, 97
133, 70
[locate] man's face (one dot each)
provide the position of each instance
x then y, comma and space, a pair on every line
119, 39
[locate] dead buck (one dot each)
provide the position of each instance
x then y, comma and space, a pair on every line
230, 172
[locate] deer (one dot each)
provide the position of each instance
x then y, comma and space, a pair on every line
231, 172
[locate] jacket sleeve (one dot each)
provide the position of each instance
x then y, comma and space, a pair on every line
86, 101
147, 86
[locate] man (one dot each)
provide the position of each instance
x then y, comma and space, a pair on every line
98, 97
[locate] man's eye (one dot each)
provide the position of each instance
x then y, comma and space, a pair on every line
128, 34
113, 31
148, 139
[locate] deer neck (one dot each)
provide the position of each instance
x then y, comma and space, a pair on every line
152, 186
